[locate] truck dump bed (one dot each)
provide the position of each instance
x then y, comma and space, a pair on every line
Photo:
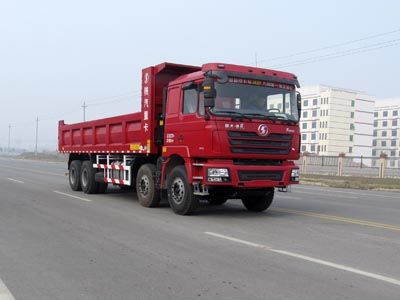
120, 134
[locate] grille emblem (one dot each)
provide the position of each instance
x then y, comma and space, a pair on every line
262, 130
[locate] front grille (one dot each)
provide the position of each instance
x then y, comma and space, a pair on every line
245, 142
256, 162
260, 175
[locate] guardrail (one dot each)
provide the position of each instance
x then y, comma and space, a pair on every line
342, 165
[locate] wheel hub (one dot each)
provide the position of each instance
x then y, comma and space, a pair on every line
144, 185
178, 191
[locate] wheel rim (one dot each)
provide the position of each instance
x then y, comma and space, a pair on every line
178, 191
72, 175
144, 185
84, 177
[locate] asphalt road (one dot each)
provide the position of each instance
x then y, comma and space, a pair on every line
314, 243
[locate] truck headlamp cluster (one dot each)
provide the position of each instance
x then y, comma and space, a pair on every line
218, 175
294, 175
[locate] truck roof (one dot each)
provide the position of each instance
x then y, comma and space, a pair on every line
197, 72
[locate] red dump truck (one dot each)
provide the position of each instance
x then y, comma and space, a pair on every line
215, 132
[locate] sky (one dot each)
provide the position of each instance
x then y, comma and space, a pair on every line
54, 55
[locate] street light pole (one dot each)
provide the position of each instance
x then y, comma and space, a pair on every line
37, 132
9, 138
84, 111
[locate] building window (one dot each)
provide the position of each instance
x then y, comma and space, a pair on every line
376, 114
351, 138
373, 152
384, 133
375, 123
393, 143
312, 148
305, 103
375, 132
385, 113
392, 162
304, 136
314, 125
384, 124
393, 153
394, 123
318, 148
374, 143
353, 103
315, 101
303, 148
305, 114
313, 136
314, 113
394, 132
326, 112
327, 100
395, 113
304, 125
351, 126
383, 143
352, 115
350, 149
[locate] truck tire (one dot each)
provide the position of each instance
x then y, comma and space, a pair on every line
74, 175
88, 182
259, 202
180, 192
147, 193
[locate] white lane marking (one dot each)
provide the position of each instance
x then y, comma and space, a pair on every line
15, 180
310, 259
72, 196
345, 192
5, 293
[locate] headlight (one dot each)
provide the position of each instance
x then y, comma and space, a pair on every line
294, 175
214, 172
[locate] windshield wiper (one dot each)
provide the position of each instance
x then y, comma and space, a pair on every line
275, 117
232, 113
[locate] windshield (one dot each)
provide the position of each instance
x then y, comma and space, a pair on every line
255, 101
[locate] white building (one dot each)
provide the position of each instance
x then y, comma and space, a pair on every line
336, 120
387, 128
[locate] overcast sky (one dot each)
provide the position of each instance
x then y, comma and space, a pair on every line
56, 54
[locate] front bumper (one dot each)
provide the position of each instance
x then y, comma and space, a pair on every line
247, 176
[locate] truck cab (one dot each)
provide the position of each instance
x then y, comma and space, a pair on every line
236, 128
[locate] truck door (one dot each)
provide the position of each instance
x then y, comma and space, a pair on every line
192, 133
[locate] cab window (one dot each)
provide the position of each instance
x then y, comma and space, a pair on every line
190, 101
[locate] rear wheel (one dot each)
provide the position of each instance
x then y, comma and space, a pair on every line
88, 182
259, 202
180, 192
147, 193
75, 175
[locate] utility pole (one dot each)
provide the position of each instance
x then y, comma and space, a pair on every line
255, 55
37, 132
9, 138
84, 111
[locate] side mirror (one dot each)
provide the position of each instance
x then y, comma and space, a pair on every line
209, 89
209, 102
298, 97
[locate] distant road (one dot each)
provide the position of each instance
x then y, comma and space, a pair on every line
314, 243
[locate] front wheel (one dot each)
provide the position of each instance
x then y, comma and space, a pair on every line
259, 202
180, 192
